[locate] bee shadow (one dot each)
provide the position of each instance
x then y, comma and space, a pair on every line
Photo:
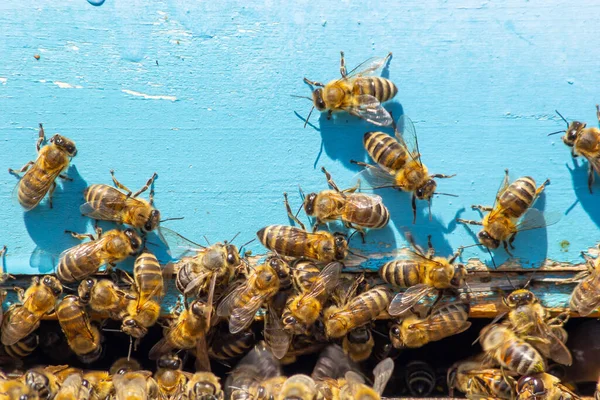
589, 201
46, 226
342, 135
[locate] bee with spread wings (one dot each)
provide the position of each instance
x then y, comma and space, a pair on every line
399, 164
357, 92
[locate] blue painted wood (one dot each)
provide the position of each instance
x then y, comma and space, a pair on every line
199, 93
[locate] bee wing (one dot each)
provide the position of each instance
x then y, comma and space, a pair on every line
326, 282
100, 209
534, 219
241, 317
178, 245
376, 177
26, 321
83, 250
229, 302
202, 361
38, 192
407, 136
556, 349
382, 374
370, 109
403, 302
201, 276
161, 347
276, 337
367, 67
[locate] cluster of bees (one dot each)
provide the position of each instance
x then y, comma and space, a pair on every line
297, 292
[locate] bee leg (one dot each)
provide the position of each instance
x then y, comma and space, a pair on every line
146, 186
41, 138
313, 83
316, 226
65, 177
80, 236
481, 208
20, 171
430, 249
20, 293
442, 176
290, 213
411, 240
329, 114
353, 188
511, 240
505, 243
468, 221
598, 112
590, 178
119, 184
51, 192
343, 65
330, 181
414, 208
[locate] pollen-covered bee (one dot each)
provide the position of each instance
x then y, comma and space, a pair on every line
298, 387
544, 387
204, 386
586, 295
511, 352
477, 380
104, 202
447, 320
302, 310
357, 312
105, 297
511, 213
149, 288
83, 260
242, 303
356, 92
226, 346
422, 273
40, 175
169, 377
357, 210
399, 164
83, 337
585, 142
37, 301
358, 344
135, 385
11, 389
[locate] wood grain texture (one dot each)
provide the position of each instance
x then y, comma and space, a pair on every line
199, 93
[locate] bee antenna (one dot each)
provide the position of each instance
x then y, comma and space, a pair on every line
247, 243
492, 257
446, 194
530, 279
309, 114
130, 346
301, 97
554, 133
379, 333
301, 193
357, 255
563, 118
509, 281
205, 238
233, 238
170, 219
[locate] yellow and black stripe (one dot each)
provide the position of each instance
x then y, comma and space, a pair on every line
23, 347
518, 197
380, 88
385, 150
147, 275
362, 210
401, 273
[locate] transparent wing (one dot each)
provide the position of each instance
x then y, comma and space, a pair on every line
363, 201
326, 281
101, 209
376, 177
382, 374
198, 279
37, 193
83, 250
403, 302
594, 161
275, 336
534, 219
503, 185
230, 301
556, 349
202, 361
407, 136
368, 66
370, 109
242, 317
22, 319
179, 245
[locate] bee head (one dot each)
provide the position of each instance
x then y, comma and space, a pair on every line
309, 204
425, 192
451, 377
341, 246
135, 241
233, 255
132, 328
152, 221
520, 297
359, 335
169, 361
395, 336
318, 101
36, 380
66, 144
573, 131
53, 284
85, 290
204, 388
280, 266
487, 240
532, 384
198, 308
458, 279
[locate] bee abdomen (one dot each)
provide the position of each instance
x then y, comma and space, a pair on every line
71, 269
279, 238
518, 197
33, 187
361, 210
400, 273
373, 302
380, 88
523, 359
584, 299
23, 347
232, 346
385, 150
148, 274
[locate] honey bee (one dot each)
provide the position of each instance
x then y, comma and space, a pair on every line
242, 303
40, 175
123, 365
37, 301
399, 164
355, 387
257, 366
74, 387
204, 386
528, 318
42, 381
103, 202
298, 387
358, 344
302, 310
584, 142
300, 345
359, 311
356, 92
269, 388
187, 331
135, 385
11, 389
169, 377
23, 348
149, 287
544, 387
510, 351
420, 378
357, 210
511, 213
226, 346
423, 274
332, 364
83, 260
83, 337
447, 320
477, 380
104, 297
586, 295
101, 383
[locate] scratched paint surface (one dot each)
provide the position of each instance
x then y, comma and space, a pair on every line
199, 93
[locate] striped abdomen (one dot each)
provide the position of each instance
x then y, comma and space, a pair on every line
449, 320
420, 378
520, 357
401, 273
287, 241
492, 383
226, 346
380, 88
23, 347
585, 297
304, 275
517, 197
79, 262
368, 305
365, 211
76, 326
148, 277
107, 198
18, 322
385, 150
